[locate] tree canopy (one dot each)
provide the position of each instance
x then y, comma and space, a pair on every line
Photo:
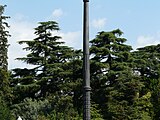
4, 34
125, 82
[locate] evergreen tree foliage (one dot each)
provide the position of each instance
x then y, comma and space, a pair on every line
47, 54
24, 84
4, 34
114, 86
125, 83
148, 67
56, 74
5, 89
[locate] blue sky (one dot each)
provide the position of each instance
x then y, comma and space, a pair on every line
138, 19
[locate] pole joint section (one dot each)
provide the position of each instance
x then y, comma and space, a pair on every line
87, 88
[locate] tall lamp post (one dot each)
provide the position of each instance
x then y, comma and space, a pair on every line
86, 65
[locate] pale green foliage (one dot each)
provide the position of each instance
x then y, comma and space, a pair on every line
30, 109
63, 109
144, 106
95, 112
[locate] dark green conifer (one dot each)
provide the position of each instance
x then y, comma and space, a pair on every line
114, 85
5, 91
56, 74
4, 34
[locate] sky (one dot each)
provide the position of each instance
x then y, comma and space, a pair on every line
138, 19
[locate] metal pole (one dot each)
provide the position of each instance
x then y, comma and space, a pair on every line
86, 65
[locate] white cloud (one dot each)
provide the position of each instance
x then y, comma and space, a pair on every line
99, 23
146, 40
72, 39
57, 13
19, 30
